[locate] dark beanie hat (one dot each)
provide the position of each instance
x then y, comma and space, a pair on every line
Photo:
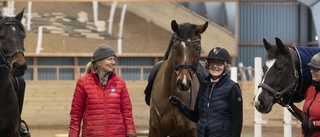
102, 51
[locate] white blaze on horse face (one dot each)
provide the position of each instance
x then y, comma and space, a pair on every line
184, 81
269, 64
14, 30
184, 48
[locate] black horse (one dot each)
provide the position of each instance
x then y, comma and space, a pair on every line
286, 76
12, 64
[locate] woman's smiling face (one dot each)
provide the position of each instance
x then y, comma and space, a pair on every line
216, 67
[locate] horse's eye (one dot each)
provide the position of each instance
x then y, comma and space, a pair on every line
264, 68
198, 48
280, 68
176, 47
2, 37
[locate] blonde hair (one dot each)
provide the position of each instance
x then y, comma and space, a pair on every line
90, 66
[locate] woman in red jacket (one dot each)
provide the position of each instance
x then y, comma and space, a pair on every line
101, 100
311, 107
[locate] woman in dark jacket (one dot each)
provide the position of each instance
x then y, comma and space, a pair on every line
218, 111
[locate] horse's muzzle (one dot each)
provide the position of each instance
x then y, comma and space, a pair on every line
18, 70
184, 85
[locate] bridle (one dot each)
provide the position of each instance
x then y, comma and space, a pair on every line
287, 91
188, 66
176, 69
6, 58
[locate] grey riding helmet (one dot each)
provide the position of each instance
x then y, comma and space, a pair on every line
315, 61
219, 53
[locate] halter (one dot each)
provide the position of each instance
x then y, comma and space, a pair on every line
6, 58
293, 87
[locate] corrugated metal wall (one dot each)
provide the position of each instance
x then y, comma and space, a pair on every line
268, 21
248, 53
258, 21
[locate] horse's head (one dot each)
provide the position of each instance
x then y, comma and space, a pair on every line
12, 36
186, 50
279, 78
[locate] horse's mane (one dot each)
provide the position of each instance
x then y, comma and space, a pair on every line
275, 52
166, 55
186, 30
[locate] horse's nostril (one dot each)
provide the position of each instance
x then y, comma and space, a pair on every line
189, 83
18, 66
261, 103
183, 86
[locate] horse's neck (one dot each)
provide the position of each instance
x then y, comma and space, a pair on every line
4, 75
168, 70
5, 81
169, 65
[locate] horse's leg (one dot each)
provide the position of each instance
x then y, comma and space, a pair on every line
193, 129
153, 120
152, 132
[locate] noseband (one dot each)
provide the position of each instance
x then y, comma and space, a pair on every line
188, 65
293, 87
176, 69
6, 58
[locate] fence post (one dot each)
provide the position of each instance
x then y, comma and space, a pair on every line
39, 40
111, 16
29, 15
257, 115
242, 72
234, 75
287, 121
121, 23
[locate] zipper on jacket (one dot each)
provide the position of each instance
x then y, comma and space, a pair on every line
209, 97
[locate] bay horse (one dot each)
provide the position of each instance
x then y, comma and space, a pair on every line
286, 76
176, 76
12, 65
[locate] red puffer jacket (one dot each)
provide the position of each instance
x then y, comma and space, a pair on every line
104, 112
311, 106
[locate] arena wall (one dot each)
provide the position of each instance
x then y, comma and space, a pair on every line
47, 103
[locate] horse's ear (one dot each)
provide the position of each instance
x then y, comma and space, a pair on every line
280, 45
267, 45
202, 28
174, 26
20, 15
